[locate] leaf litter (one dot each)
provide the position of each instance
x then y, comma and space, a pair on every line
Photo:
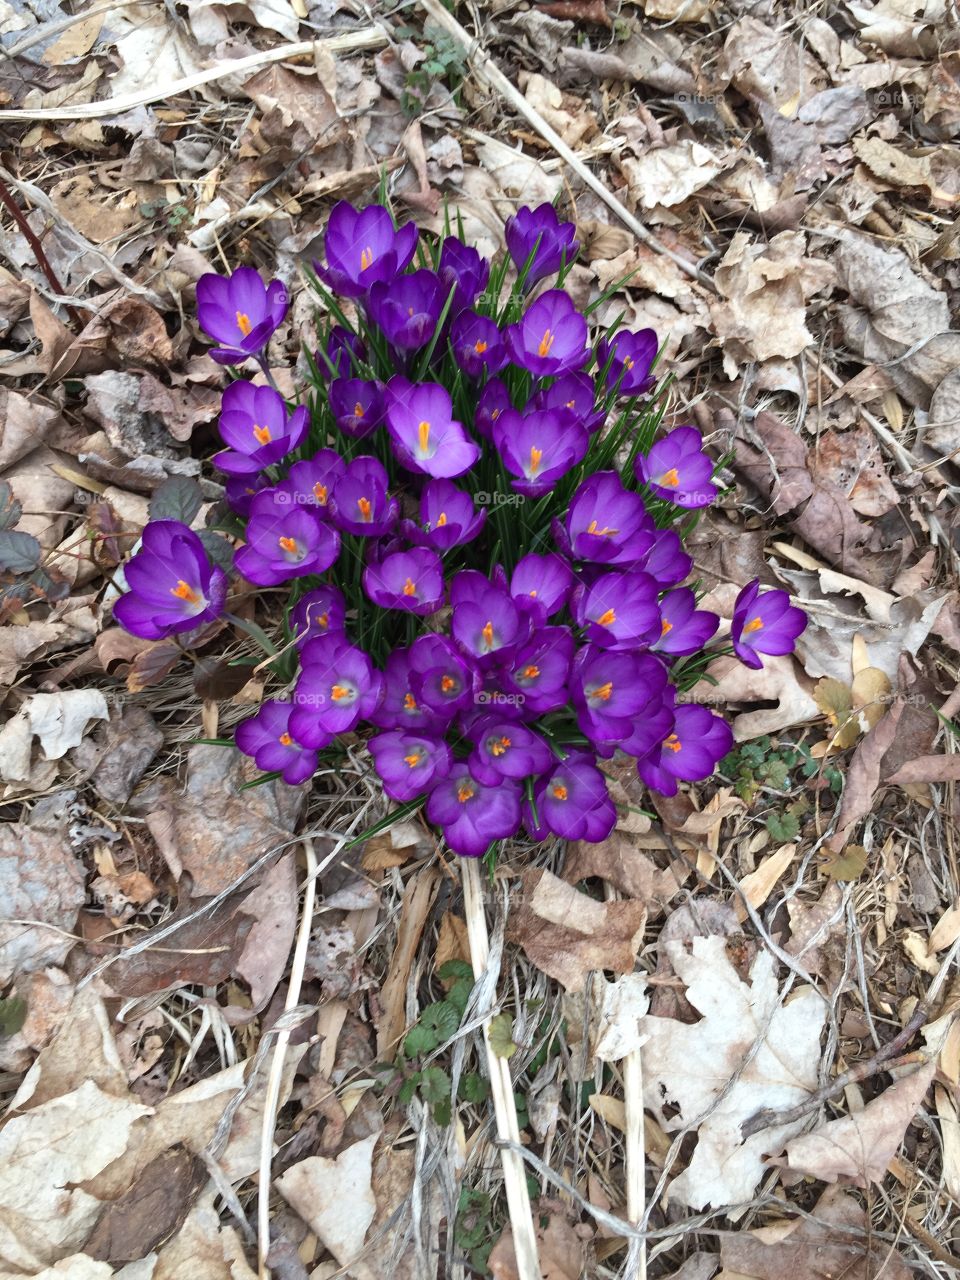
808, 164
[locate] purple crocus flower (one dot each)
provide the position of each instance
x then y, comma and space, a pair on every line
240, 312
666, 561
440, 678
400, 708
408, 309
606, 523
338, 687
576, 393
425, 436
607, 691
551, 338
542, 231
360, 503
693, 749
684, 629
618, 610
267, 738
364, 248
345, 350
464, 270
409, 763
486, 623
254, 423
631, 357
408, 580
677, 469
573, 802
477, 344
284, 541
472, 815
538, 672
357, 405
448, 517
538, 448
656, 724
492, 401
506, 749
766, 623
544, 580
172, 586
310, 483
240, 491
318, 613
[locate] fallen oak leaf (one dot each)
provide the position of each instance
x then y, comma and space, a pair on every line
859, 1147
862, 776
927, 769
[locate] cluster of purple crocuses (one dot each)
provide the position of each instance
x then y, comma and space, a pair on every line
477, 528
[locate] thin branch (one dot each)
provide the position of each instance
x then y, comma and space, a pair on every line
43, 262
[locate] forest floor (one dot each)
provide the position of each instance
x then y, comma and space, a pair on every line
781, 185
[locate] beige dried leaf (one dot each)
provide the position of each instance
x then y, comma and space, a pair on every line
669, 175
319, 1188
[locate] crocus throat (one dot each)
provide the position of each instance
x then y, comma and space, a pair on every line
338, 692
365, 509
413, 759
559, 790
262, 434
447, 684
243, 323
546, 342
320, 493
670, 479
531, 672
755, 624
366, 259
499, 746
423, 434
602, 691
465, 792
285, 740
673, 743
607, 619
183, 591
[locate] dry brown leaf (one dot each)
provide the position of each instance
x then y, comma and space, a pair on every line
273, 906
858, 1148
669, 175
892, 165
618, 861
418, 896
319, 1189
560, 1245
45, 1156
687, 1068
833, 1241
453, 943
769, 65
568, 934
851, 461
862, 776
780, 682
204, 1248
153, 1209
927, 769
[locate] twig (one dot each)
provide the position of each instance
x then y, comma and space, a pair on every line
881, 1060
501, 1087
368, 38
272, 1096
487, 70
6, 198
636, 1155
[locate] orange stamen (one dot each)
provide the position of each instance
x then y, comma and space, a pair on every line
559, 790
365, 509
409, 702
755, 625
243, 323
673, 743
498, 748
366, 259
531, 672
480, 347
323, 621
535, 457
606, 619
487, 634
465, 792
413, 760
669, 479
423, 432
320, 493
338, 692
262, 434
600, 533
603, 691
546, 342
627, 362
409, 587
285, 740
665, 626
447, 683
289, 545
441, 519
183, 591
358, 410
